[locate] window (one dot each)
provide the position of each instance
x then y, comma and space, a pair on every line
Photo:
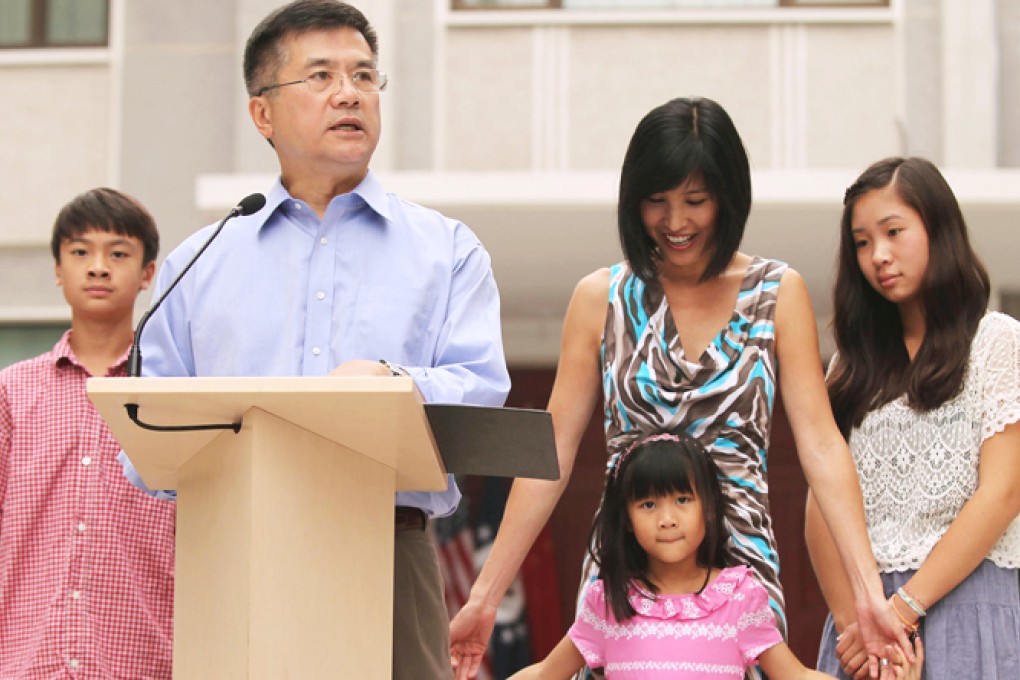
19, 342
506, 4
656, 4
54, 23
834, 3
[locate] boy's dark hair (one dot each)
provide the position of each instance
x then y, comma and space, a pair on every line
107, 210
264, 53
874, 367
654, 465
674, 141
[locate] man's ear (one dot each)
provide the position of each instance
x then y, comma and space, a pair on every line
261, 115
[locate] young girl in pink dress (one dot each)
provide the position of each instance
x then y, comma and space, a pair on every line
666, 603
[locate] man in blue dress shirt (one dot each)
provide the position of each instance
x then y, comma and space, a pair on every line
334, 275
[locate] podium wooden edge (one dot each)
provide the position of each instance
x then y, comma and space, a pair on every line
364, 417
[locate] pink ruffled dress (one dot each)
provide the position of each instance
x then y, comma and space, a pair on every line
715, 635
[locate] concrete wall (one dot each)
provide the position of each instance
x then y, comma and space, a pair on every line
567, 98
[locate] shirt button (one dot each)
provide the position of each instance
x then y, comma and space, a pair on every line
323, 240
316, 351
320, 295
297, 206
76, 595
81, 526
74, 663
86, 460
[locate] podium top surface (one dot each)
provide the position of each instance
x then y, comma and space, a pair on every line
380, 417
239, 385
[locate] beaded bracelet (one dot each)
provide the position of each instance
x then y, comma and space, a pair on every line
911, 601
916, 598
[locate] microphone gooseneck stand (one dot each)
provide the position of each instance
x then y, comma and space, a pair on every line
248, 206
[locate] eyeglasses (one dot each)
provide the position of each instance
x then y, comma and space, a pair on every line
364, 80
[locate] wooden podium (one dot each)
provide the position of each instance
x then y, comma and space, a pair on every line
284, 529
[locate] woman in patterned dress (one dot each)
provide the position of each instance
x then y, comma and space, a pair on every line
690, 333
926, 384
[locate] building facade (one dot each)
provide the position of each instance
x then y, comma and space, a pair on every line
515, 119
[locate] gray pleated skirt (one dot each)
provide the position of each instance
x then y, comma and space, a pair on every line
971, 633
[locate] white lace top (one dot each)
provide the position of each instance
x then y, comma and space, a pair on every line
918, 469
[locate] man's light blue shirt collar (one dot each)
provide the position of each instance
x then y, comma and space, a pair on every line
369, 190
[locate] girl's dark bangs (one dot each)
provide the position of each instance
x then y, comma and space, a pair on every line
658, 471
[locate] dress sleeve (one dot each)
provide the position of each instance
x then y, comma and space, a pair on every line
588, 631
997, 355
756, 625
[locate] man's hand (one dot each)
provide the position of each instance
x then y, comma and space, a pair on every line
470, 631
360, 367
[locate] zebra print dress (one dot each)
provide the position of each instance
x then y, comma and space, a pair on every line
724, 398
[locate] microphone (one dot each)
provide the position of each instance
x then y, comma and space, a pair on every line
249, 205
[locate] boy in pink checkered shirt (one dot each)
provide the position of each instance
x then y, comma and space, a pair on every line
86, 559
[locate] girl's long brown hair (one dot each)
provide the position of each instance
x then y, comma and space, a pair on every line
873, 366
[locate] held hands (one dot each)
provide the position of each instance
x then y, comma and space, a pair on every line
853, 658
901, 668
470, 631
879, 627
